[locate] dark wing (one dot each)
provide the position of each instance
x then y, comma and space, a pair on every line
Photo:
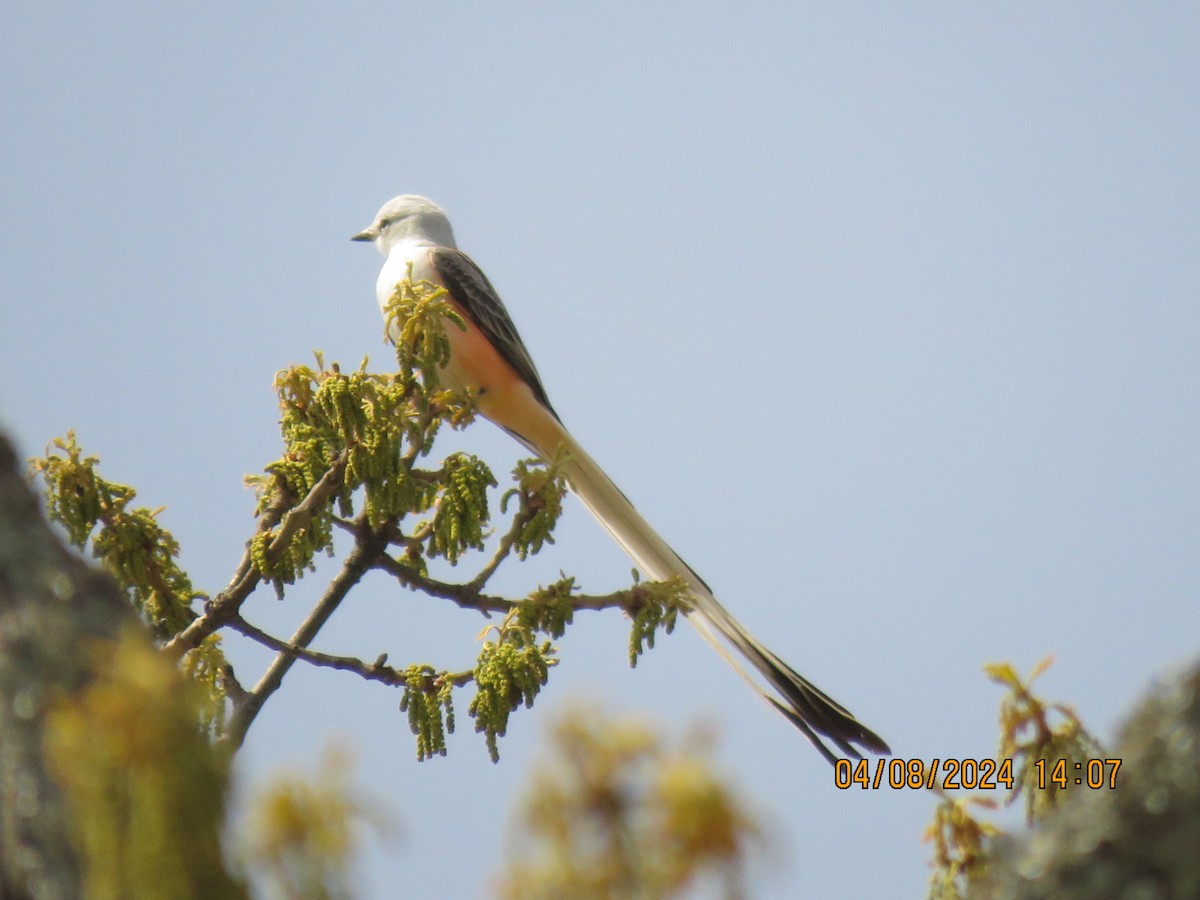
472, 291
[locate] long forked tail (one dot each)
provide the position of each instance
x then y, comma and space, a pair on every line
809, 708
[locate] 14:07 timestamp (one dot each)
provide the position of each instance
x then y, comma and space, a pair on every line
1095, 773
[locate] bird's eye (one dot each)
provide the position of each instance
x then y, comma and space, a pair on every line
384, 223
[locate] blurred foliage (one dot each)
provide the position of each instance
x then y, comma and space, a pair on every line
146, 788
1032, 732
207, 668
304, 834
616, 813
1035, 735
962, 845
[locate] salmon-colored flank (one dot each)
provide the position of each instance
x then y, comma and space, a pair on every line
504, 398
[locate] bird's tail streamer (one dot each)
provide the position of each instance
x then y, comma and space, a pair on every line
809, 708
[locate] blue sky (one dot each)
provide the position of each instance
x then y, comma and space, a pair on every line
885, 316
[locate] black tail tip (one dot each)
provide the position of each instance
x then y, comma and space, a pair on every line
845, 733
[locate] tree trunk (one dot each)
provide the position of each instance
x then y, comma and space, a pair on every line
51, 604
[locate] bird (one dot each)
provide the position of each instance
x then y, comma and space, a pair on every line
488, 356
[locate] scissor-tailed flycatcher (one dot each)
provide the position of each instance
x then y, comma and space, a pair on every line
490, 357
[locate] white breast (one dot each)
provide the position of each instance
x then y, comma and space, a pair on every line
395, 267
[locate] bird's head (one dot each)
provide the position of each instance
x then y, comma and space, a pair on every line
407, 216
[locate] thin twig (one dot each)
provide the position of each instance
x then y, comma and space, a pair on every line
306, 510
376, 671
416, 437
520, 520
457, 679
283, 500
468, 597
462, 594
628, 600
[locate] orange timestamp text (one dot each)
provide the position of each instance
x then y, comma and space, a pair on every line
970, 774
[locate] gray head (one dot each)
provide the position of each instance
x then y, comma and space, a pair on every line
408, 216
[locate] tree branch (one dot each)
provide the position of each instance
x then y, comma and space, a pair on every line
464, 595
368, 547
376, 671
223, 608
506, 544
468, 596
52, 606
